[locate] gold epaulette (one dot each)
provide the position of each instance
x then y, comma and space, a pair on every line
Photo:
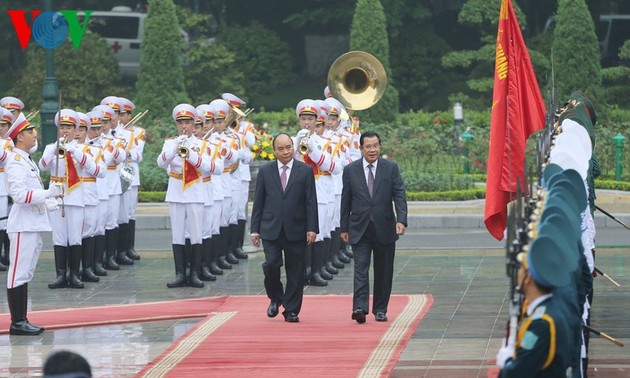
18, 157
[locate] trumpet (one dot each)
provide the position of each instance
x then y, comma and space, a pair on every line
209, 132
136, 118
182, 149
61, 148
303, 146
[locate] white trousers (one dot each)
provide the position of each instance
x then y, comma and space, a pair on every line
324, 222
67, 230
186, 218
113, 208
336, 221
101, 218
90, 215
24, 253
217, 210
133, 203
226, 212
242, 201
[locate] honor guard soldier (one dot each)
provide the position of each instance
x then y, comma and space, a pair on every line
6, 145
135, 149
94, 139
543, 344
114, 153
13, 104
231, 160
248, 139
67, 163
118, 131
210, 218
311, 149
186, 164
28, 219
90, 194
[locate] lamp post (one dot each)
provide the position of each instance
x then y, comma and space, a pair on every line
50, 93
619, 139
466, 137
458, 117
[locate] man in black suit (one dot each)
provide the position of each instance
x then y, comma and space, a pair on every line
368, 223
284, 217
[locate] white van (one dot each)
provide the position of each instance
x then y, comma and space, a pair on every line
123, 30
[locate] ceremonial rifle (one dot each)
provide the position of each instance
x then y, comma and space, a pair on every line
612, 217
63, 208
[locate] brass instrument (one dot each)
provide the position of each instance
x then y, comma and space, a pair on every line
182, 149
209, 132
357, 79
303, 146
30, 116
61, 147
136, 118
235, 115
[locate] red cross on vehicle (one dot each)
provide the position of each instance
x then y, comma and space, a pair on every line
116, 46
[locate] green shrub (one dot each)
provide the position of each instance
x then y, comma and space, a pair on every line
454, 195
421, 182
151, 196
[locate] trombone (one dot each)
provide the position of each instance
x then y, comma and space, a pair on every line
136, 118
30, 116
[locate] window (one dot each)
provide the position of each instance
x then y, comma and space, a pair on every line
115, 27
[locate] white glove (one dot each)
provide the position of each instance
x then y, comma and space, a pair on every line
73, 149
506, 351
181, 138
302, 134
51, 204
54, 190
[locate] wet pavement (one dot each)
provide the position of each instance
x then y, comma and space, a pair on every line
459, 336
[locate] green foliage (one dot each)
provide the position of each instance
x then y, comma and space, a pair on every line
612, 185
160, 84
421, 182
453, 195
210, 71
368, 33
576, 50
261, 56
276, 122
617, 80
84, 75
148, 196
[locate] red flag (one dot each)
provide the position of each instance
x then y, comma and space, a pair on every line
190, 174
72, 177
518, 110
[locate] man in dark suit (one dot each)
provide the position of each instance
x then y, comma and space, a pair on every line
284, 217
368, 223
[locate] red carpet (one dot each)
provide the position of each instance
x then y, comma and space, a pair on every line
235, 338
240, 341
119, 314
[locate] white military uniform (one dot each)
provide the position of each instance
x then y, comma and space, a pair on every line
28, 217
6, 145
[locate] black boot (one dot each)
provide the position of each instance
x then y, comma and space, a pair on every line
316, 265
188, 253
99, 255
318, 253
328, 258
5, 244
215, 246
111, 243
123, 236
4, 252
180, 267
223, 242
131, 241
74, 261
205, 274
17, 299
195, 264
61, 264
231, 242
337, 261
347, 250
240, 237
88, 260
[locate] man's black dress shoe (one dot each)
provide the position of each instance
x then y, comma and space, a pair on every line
291, 317
24, 327
272, 310
380, 317
358, 315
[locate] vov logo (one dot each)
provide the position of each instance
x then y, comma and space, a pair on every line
49, 29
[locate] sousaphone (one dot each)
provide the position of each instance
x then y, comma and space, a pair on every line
357, 79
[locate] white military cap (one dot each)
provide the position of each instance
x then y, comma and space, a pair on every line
220, 108
334, 106
233, 100
67, 117
114, 102
20, 124
327, 93
11, 103
127, 105
184, 111
206, 110
6, 116
84, 120
107, 111
306, 106
96, 118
